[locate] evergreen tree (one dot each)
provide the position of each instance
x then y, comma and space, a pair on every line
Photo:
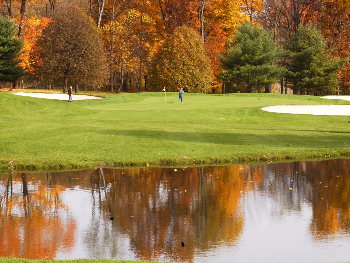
181, 63
310, 66
10, 49
248, 62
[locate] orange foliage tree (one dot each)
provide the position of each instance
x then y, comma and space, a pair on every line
333, 19
33, 30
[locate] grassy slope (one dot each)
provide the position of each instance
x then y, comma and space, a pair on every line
136, 129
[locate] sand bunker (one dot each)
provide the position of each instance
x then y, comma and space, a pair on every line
54, 96
339, 110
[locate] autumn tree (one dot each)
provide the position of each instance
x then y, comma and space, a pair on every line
71, 48
134, 29
310, 66
21, 6
10, 50
252, 8
33, 29
131, 37
221, 19
116, 37
285, 16
333, 21
180, 13
182, 63
249, 61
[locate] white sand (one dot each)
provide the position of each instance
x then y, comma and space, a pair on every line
340, 110
336, 97
54, 96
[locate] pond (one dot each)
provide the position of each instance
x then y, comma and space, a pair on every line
285, 212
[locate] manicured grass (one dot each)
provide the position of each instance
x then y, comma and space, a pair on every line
139, 130
20, 260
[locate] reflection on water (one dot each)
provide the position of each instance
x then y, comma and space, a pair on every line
290, 212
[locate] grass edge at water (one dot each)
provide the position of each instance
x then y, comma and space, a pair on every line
22, 260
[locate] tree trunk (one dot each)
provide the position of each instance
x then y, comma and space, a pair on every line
268, 89
141, 39
91, 8
111, 54
101, 6
162, 14
21, 22
9, 7
76, 88
9, 187
17, 84
25, 184
112, 80
65, 87
52, 6
201, 17
250, 9
121, 78
146, 78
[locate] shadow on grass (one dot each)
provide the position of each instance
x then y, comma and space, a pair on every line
309, 131
315, 138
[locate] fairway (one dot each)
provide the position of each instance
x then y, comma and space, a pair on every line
151, 129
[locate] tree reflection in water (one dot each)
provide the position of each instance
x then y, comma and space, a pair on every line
32, 220
331, 198
174, 212
162, 213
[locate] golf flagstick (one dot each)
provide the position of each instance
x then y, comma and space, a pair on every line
165, 95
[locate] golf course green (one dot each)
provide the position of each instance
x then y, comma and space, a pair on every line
155, 129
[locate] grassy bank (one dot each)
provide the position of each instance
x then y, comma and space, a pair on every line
140, 129
20, 260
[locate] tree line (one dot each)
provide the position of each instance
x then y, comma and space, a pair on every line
140, 45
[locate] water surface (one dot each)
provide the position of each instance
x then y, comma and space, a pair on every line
287, 212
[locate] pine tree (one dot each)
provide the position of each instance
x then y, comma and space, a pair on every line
310, 66
249, 60
10, 49
181, 63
